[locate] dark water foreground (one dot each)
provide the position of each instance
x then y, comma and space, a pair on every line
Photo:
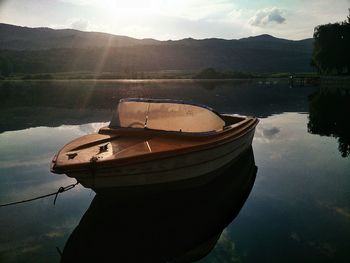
180, 226
296, 209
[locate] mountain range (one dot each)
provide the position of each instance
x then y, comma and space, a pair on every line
45, 50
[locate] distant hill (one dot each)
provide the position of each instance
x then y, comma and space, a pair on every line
26, 38
45, 50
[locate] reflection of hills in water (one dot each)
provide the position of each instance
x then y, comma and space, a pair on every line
32, 104
329, 116
181, 226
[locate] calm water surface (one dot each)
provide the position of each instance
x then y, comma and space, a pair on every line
298, 208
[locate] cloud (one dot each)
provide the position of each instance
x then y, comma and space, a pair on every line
267, 16
271, 133
79, 24
268, 134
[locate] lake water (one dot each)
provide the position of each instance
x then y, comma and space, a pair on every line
295, 207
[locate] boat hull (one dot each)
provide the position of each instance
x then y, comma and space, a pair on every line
177, 171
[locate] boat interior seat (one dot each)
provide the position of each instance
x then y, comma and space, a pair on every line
230, 119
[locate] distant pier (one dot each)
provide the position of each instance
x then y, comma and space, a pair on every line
301, 81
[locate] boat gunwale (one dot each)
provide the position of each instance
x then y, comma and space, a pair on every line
200, 135
164, 170
102, 164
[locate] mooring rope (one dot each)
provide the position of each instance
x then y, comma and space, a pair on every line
60, 190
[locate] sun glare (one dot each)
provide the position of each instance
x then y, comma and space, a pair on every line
127, 9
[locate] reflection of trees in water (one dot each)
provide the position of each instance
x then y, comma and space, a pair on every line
22, 103
210, 85
214, 84
329, 116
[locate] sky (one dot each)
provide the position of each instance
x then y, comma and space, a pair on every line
178, 19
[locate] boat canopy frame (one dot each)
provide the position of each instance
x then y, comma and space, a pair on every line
207, 119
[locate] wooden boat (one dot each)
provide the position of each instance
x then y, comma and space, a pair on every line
156, 141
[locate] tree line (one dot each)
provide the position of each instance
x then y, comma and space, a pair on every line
331, 53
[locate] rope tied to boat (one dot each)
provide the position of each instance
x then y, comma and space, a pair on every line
60, 190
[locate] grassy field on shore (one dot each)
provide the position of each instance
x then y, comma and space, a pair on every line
166, 74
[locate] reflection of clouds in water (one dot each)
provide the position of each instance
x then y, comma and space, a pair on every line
224, 249
38, 161
54, 234
28, 249
295, 236
271, 133
325, 248
36, 146
91, 127
340, 211
276, 156
266, 134
50, 235
61, 229
25, 157
35, 183
30, 189
82, 128
343, 211
40, 238
280, 129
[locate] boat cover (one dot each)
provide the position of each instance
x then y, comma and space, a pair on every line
166, 115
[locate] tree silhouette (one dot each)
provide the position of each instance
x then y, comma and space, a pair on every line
331, 52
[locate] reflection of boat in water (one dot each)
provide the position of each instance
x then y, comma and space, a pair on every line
177, 226
151, 142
